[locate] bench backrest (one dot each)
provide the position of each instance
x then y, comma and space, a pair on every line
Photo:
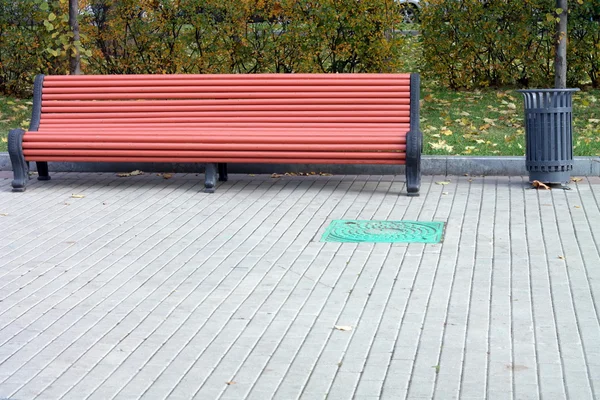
333, 100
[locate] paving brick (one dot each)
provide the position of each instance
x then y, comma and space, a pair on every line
154, 287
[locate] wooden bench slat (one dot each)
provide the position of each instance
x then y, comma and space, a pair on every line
116, 90
209, 154
221, 95
365, 161
237, 126
257, 146
228, 114
49, 139
76, 109
202, 83
345, 101
241, 77
133, 121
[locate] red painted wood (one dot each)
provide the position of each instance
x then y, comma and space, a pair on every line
305, 102
262, 118
239, 84
281, 127
132, 108
221, 95
212, 138
184, 146
243, 77
227, 115
259, 119
398, 161
210, 154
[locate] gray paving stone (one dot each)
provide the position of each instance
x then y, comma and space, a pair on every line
170, 292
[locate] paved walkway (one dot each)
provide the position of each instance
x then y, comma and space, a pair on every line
147, 287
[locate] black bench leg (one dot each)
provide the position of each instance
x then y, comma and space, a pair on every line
210, 177
17, 159
42, 168
413, 163
222, 172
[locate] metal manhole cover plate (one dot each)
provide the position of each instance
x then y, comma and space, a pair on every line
353, 231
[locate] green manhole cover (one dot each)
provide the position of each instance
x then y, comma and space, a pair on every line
349, 231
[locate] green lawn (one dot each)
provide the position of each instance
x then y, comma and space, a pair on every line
14, 113
490, 122
486, 122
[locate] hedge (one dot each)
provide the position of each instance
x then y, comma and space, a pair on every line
481, 43
201, 36
465, 43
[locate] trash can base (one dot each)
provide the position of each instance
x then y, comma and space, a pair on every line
562, 177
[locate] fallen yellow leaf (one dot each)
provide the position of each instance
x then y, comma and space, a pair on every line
442, 183
167, 176
230, 382
325, 174
132, 173
445, 131
576, 179
4, 140
4, 215
77, 196
276, 175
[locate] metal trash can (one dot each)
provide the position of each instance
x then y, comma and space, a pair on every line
549, 134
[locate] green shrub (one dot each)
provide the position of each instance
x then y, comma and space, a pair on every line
197, 36
474, 43
584, 42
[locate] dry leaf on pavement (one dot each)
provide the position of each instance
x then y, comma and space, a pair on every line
442, 183
132, 173
343, 327
540, 185
77, 196
576, 179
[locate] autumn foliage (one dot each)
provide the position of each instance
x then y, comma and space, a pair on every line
465, 43
474, 43
203, 36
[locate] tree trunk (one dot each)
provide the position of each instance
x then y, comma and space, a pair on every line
560, 60
74, 59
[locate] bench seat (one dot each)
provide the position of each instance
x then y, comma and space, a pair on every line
221, 119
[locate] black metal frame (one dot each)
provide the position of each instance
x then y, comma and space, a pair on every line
414, 140
15, 143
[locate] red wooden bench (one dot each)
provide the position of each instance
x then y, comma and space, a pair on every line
220, 119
